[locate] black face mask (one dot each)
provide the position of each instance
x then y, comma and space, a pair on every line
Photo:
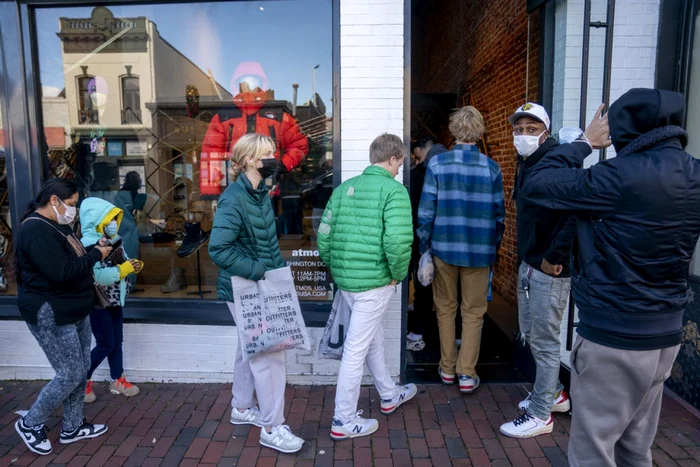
269, 168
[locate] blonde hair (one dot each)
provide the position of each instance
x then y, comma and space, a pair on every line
251, 146
467, 124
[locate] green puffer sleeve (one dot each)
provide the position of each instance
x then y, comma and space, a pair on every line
398, 232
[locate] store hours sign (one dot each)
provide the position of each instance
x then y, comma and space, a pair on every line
312, 277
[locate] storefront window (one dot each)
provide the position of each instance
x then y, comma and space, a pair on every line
142, 105
693, 120
8, 285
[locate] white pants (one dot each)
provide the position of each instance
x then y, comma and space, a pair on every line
365, 341
264, 375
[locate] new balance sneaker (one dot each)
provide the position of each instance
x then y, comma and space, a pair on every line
562, 403
34, 437
527, 426
406, 393
281, 438
89, 393
251, 416
356, 427
467, 384
123, 387
446, 379
84, 431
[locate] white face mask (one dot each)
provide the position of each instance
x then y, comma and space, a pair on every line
111, 229
68, 216
527, 145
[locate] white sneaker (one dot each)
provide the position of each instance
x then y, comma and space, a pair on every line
281, 439
527, 426
34, 437
250, 417
354, 428
406, 393
446, 379
415, 346
562, 403
467, 384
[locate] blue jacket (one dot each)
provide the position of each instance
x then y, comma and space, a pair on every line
462, 211
638, 222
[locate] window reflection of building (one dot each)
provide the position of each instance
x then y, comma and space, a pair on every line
131, 99
86, 113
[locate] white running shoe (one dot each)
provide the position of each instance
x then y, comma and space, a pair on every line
446, 379
467, 384
562, 403
356, 427
527, 426
34, 437
406, 393
250, 417
281, 438
84, 431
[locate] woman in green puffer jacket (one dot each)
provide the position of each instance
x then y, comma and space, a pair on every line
244, 243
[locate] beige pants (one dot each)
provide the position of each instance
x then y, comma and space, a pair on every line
474, 283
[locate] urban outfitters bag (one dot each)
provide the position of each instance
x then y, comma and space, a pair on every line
267, 314
426, 269
333, 339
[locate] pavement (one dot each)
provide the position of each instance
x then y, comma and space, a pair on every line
187, 425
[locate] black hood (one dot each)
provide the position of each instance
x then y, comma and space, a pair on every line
639, 111
434, 151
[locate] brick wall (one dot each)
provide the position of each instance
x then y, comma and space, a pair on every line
482, 48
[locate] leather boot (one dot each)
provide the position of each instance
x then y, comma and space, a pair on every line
176, 281
194, 239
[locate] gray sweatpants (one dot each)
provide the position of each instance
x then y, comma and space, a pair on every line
68, 350
617, 401
264, 376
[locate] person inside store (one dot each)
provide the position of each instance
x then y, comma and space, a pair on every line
55, 297
126, 200
99, 220
420, 311
244, 243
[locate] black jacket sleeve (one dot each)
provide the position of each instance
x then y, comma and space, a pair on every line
47, 254
560, 249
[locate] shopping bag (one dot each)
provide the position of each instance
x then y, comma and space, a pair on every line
426, 269
333, 339
267, 314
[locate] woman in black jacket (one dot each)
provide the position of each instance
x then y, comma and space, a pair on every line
56, 294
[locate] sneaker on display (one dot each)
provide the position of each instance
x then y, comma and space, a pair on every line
415, 346
355, 428
176, 282
406, 393
446, 379
250, 417
123, 387
3, 282
84, 431
195, 238
89, 393
3, 246
467, 384
562, 403
527, 426
34, 437
281, 438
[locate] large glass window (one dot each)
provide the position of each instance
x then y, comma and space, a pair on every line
693, 121
142, 105
8, 284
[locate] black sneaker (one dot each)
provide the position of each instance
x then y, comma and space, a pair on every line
194, 239
34, 437
84, 431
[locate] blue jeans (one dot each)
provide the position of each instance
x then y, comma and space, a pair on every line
540, 325
108, 329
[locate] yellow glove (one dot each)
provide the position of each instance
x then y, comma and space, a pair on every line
125, 269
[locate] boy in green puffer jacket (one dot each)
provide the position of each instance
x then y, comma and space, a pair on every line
365, 238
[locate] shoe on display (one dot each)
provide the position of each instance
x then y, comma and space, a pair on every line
3, 282
527, 426
90, 396
446, 379
123, 387
355, 428
3, 246
415, 346
562, 403
406, 393
251, 416
176, 282
84, 431
34, 437
194, 239
467, 384
281, 438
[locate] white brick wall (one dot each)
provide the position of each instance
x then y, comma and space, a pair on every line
371, 93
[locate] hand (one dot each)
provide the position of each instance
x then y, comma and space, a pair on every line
137, 265
598, 132
104, 242
105, 250
393, 282
551, 269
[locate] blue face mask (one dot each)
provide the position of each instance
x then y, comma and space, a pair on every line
111, 229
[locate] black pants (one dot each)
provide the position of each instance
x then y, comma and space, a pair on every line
422, 315
108, 329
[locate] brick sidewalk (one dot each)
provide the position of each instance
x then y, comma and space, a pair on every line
187, 425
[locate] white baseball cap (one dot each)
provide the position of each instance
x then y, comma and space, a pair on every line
533, 110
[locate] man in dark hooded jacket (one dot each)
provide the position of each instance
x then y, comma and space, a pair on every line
638, 221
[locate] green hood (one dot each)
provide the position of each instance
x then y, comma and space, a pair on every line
95, 214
